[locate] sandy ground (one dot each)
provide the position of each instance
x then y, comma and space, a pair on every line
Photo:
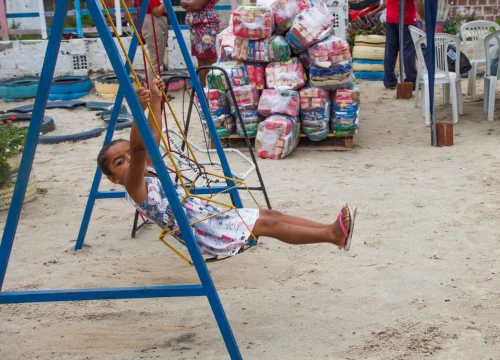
421, 281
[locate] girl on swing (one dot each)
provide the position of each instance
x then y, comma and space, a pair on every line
127, 163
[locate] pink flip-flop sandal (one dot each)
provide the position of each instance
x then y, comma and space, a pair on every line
347, 234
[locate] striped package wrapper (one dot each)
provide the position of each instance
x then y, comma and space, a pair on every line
277, 101
217, 103
331, 51
345, 122
277, 137
309, 27
315, 113
288, 75
253, 22
337, 77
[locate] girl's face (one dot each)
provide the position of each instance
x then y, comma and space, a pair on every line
118, 161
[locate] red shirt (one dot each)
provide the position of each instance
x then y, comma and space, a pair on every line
152, 4
392, 14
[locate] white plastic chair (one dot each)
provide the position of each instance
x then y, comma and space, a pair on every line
477, 30
490, 80
442, 74
416, 34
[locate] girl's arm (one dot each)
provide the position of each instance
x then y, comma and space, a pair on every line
134, 178
193, 5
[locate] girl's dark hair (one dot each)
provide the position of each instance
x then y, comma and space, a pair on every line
102, 158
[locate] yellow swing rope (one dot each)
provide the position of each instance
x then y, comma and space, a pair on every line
166, 145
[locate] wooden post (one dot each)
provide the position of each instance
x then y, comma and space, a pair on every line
444, 133
4, 25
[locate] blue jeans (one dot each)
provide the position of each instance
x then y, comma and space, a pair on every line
391, 55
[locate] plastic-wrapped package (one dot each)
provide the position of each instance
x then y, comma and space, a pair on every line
251, 120
225, 125
309, 27
279, 49
256, 75
225, 44
277, 137
347, 96
217, 103
247, 98
253, 22
315, 113
345, 122
237, 75
286, 102
345, 112
329, 52
263, 50
285, 75
285, 11
336, 77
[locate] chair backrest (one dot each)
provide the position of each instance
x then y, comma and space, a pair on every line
477, 31
441, 44
416, 33
492, 39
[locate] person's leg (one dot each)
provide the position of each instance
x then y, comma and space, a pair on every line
409, 54
391, 54
161, 25
147, 34
276, 215
298, 235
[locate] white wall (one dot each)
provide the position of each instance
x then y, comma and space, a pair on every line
25, 58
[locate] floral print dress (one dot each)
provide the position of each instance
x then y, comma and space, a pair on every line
221, 235
203, 29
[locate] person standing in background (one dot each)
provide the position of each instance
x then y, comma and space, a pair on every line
392, 39
156, 13
203, 28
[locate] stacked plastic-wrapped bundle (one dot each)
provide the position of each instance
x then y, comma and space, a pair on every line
253, 22
255, 74
331, 66
225, 44
247, 99
315, 113
345, 112
285, 11
264, 50
279, 101
219, 109
309, 27
236, 71
285, 75
277, 137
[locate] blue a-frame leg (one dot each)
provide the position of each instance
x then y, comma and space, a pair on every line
206, 288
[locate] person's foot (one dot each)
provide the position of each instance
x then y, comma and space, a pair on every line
338, 236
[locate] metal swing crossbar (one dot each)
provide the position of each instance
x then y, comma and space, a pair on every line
167, 144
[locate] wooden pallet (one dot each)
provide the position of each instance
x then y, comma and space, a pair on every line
331, 143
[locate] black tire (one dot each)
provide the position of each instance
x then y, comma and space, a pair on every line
19, 88
58, 139
50, 105
122, 117
98, 105
47, 126
124, 125
70, 85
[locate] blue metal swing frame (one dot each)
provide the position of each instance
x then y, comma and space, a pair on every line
206, 287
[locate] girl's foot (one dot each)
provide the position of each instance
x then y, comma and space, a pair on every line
338, 234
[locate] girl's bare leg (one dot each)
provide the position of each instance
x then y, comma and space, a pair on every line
203, 73
297, 234
276, 215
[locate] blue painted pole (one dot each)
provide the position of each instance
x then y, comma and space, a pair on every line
78, 16
430, 17
94, 190
42, 95
201, 96
159, 165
